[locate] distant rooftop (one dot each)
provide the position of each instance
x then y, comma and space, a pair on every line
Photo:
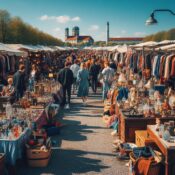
127, 39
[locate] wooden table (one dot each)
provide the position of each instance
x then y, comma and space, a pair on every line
127, 125
168, 150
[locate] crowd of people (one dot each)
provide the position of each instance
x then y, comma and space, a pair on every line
76, 71
83, 70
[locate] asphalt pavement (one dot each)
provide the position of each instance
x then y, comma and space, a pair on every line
84, 145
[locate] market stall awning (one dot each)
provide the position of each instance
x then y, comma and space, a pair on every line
145, 44
59, 48
120, 48
166, 42
11, 51
167, 47
23, 47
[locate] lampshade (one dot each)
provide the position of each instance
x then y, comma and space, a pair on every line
151, 20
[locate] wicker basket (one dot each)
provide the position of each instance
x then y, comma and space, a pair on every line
155, 166
38, 158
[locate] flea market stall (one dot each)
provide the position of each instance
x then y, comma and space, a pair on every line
142, 100
26, 124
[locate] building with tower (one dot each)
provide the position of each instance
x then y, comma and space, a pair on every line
76, 38
122, 40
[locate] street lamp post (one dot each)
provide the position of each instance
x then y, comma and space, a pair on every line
151, 20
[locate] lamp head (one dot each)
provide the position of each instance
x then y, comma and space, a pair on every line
151, 20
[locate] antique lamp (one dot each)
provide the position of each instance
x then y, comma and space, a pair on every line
151, 20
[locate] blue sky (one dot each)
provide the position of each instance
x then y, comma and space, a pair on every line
126, 17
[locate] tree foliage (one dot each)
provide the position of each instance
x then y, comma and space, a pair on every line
14, 30
4, 24
160, 36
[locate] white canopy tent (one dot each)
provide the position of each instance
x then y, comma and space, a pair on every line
59, 48
11, 51
120, 48
30, 47
117, 48
166, 42
22, 47
144, 44
167, 47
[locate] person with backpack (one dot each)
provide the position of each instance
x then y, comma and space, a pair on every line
108, 77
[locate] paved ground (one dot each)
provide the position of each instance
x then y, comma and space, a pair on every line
84, 146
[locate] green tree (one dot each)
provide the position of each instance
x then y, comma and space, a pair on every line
4, 21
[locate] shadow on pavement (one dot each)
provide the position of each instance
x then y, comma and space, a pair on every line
68, 162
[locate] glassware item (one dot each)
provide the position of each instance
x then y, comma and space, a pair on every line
161, 130
166, 134
9, 111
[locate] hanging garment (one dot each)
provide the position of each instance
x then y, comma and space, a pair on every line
154, 65
162, 62
3, 67
147, 62
167, 67
156, 71
7, 63
12, 64
173, 67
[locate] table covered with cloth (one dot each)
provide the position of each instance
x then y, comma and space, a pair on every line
13, 149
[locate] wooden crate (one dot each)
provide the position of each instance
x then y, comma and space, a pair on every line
141, 138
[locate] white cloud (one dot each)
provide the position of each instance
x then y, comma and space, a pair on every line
138, 34
44, 18
60, 19
63, 19
123, 32
94, 28
77, 18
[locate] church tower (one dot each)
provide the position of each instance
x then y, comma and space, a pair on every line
107, 33
75, 31
66, 33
